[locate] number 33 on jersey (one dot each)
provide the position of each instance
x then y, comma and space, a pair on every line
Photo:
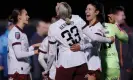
67, 35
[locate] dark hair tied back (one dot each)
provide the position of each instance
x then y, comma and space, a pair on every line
14, 15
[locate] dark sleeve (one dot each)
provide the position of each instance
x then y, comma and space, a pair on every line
32, 40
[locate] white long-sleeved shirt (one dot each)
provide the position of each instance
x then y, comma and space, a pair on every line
43, 53
19, 51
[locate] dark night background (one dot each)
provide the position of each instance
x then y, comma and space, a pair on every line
45, 9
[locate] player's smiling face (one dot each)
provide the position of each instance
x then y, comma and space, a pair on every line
24, 16
91, 12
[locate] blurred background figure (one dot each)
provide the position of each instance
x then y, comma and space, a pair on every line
4, 49
117, 16
38, 37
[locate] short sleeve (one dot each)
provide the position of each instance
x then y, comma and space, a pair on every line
44, 46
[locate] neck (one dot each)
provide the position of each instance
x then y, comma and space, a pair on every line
117, 23
39, 33
21, 25
92, 22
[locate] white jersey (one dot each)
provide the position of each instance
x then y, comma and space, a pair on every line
18, 52
93, 58
66, 36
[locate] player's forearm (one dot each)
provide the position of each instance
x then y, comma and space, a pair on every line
50, 61
42, 61
123, 36
120, 34
85, 46
21, 54
96, 37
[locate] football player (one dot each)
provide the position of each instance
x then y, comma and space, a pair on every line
19, 50
95, 17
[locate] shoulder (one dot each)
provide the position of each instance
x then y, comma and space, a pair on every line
14, 33
54, 28
110, 24
76, 17
98, 26
56, 24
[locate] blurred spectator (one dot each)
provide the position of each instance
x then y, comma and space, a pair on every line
4, 50
38, 37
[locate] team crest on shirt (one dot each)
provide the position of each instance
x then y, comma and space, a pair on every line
17, 35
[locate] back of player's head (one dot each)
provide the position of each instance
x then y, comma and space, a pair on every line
116, 9
65, 11
99, 7
15, 14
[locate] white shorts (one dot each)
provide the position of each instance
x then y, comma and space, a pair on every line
94, 63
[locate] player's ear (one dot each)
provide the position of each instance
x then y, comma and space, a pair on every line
97, 12
19, 17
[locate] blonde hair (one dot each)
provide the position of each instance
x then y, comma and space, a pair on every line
65, 12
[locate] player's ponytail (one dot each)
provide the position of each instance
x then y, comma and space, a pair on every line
65, 12
10, 19
68, 22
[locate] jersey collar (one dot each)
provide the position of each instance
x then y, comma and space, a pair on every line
94, 23
19, 29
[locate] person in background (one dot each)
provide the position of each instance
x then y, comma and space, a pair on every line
117, 16
38, 37
4, 48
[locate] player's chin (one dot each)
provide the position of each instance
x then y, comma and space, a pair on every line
26, 22
87, 18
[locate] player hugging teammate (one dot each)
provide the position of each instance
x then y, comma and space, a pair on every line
84, 51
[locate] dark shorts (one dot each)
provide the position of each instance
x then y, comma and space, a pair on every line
126, 74
74, 73
18, 76
96, 74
